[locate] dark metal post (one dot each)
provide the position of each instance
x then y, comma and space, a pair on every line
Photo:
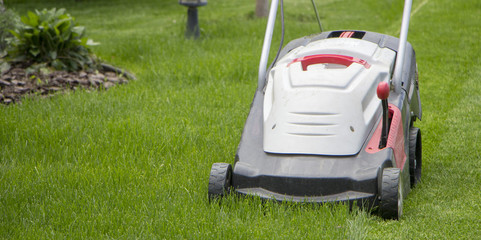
192, 30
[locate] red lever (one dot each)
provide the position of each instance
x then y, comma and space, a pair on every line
383, 90
329, 58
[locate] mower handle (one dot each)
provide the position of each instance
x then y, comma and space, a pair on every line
328, 58
397, 80
267, 43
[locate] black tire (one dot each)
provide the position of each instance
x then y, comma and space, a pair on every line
415, 155
391, 206
220, 180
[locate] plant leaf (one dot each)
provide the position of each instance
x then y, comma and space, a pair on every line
4, 67
33, 19
25, 20
34, 51
79, 30
15, 34
53, 55
91, 42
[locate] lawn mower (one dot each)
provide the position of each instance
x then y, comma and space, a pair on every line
331, 121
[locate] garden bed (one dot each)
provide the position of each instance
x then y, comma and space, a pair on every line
17, 82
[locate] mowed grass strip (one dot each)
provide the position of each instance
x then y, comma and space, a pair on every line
133, 161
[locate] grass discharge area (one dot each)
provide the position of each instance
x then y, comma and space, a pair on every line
133, 161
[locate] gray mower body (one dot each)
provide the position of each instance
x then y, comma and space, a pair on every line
331, 121
313, 157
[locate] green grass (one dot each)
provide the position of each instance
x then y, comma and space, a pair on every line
133, 161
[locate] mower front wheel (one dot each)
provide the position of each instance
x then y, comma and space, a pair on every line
391, 206
220, 180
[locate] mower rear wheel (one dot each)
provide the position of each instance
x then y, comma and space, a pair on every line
220, 180
415, 155
391, 206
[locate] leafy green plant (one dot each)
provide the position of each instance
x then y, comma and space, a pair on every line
52, 37
8, 20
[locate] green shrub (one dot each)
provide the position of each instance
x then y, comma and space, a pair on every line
51, 37
8, 20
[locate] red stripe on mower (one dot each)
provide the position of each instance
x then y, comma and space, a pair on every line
346, 34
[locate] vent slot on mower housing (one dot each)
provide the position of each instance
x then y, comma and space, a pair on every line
347, 34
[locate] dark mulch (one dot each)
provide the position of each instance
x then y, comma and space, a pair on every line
16, 83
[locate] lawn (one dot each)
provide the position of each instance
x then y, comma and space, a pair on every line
133, 161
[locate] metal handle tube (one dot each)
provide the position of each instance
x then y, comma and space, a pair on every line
398, 68
267, 42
